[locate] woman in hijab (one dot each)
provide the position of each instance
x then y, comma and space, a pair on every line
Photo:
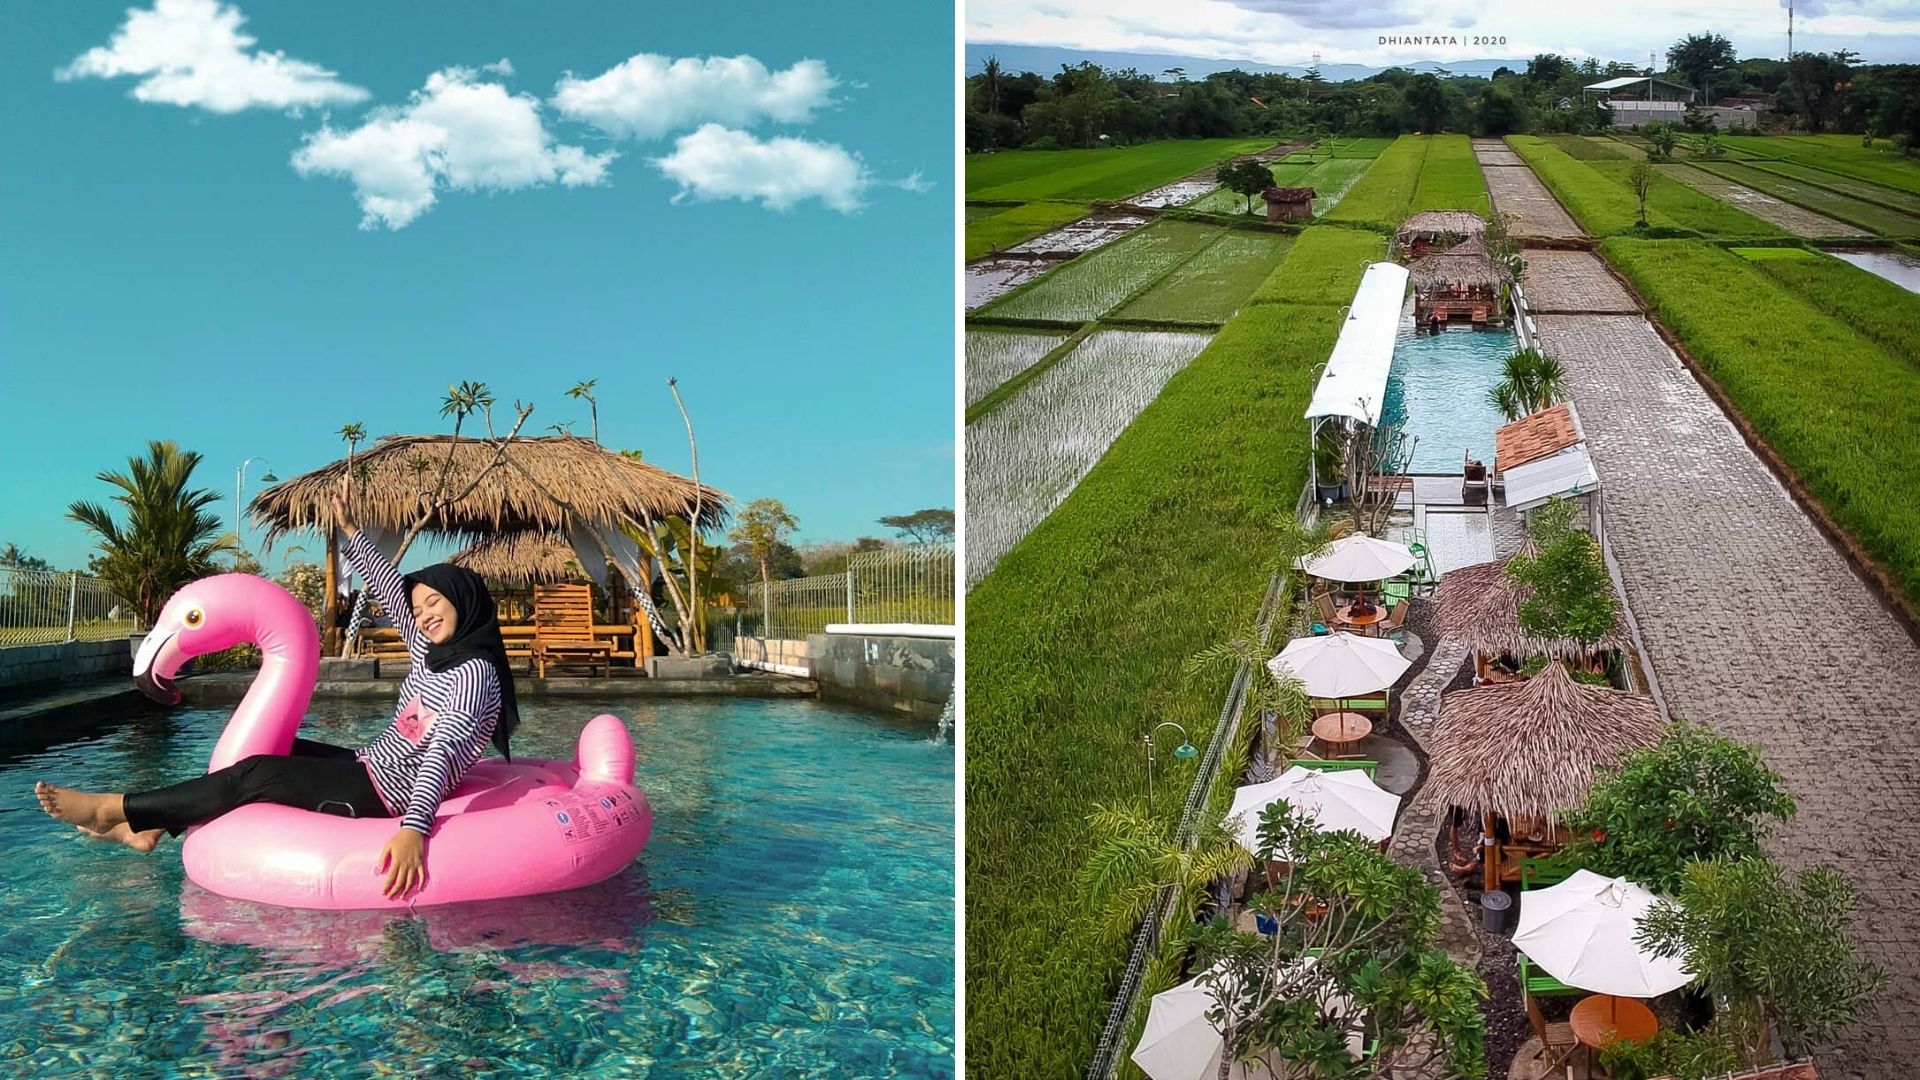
457, 698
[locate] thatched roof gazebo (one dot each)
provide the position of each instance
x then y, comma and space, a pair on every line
1531, 749
1480, 605
394, 477
1438, 228
1465, 265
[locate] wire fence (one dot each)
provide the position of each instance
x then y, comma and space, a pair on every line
48, 607
913, 584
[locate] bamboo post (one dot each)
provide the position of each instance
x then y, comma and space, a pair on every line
330, 606
1489, 855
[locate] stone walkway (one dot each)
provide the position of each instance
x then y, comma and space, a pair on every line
1796, 220
1535, 213
1495, 152
1418, 827
1798, 656
1564, 281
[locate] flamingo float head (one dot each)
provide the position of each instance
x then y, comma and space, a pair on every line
218, 613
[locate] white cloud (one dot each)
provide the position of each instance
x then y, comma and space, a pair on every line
193, 53
459, 132
716, 162
648, 96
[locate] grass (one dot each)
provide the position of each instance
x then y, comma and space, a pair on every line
999, 227
1382, 196
1818, 199
1099, 281
1841, 410
1835, 153
1868, 303
1878, 194
1596, 194
1091, 616
1031, 175
1323, 267
1212, 285
1450, 178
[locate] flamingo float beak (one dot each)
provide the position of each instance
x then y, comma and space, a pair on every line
155, 665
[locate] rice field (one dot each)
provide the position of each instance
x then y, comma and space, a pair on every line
996, 228
1838, 407
1324, 266
1024, 458
1106, 173
1878, 194
1330, 179
1212, 285
1595, 192
1866, 302
1821, 200
994, 356
1795, 218
1382, 196
1096, 283
1450, 178
1594, 148
1835, 153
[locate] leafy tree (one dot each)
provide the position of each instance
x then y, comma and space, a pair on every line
1813, 88
169, 539
1427, 104
1777, 949
761, 528
1692, 795
1701, 58
1352, 955
1245, 177
13, 558
1572, 596
1530, 381
1640, 179
1500, 113
307, 581
1548, 68
834, 558
932, 526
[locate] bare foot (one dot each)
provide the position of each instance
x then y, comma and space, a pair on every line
94, 813
123, 833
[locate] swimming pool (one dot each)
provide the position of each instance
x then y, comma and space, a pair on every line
1437, 392
792, 916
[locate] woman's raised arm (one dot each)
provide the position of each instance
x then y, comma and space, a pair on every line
379, 572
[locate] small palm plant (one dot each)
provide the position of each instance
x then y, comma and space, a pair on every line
168, 540
1530, 381
1135, 858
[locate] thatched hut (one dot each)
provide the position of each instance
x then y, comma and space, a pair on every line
1462, 280
1288, 204
1520, 754
516, 496
1480, 605
1437, 229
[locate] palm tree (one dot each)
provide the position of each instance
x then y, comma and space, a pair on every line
1531, 381
169, 539
13, 558
990, 83
1136, 858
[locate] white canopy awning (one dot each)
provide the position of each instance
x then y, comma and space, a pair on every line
1569, 472
1354, 384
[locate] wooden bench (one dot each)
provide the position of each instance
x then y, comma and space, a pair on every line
563, 630
1371, 703
1537, 983
1539, 873
1337, 765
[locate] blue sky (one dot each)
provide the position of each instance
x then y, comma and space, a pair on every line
270, 246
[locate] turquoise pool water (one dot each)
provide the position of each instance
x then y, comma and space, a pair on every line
1437, 391
792, 917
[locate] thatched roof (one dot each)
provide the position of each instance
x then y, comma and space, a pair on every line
1433, 224
1465, 263
1480, 606
598, 482
1530, 749
1287, 194
522, 559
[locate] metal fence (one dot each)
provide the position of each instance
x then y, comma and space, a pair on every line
47, 607
896, 585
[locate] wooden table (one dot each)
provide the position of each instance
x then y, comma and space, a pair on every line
1339, 729
1600, 1019
1344, 614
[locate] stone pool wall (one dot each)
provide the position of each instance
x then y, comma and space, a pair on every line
910, 676
37, 665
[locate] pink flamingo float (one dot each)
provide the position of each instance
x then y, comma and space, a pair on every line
533, 826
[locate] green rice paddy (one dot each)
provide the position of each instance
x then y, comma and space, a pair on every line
1382, 196
1595, 192
1866, 302
1079, 175
994, 356
1450, 178
1102, 280
1819, 199
996, 228
1841, 154
1212, 285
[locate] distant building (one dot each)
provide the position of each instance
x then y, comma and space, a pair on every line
1288, 204
1642, 89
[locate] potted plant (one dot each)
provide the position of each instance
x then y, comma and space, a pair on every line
1329, 478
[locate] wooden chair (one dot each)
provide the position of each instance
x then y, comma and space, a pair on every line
1328, 618
1394, 625
1557, 1041
563, 629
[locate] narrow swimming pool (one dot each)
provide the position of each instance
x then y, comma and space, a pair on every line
1437, 393
791, 916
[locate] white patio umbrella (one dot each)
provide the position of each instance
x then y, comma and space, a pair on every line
1582, 932
1357, 557
1335, 800
1180, 1043
1341, 665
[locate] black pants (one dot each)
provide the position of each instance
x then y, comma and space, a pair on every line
317, 776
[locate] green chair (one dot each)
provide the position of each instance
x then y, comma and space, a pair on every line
1396, 590
1371, 703
1540, 984
1337, 765
1539, 873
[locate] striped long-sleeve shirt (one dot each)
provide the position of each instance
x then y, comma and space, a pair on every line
444, 720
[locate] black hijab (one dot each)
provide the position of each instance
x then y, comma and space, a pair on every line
476, 633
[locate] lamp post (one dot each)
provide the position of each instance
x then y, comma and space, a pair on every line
1185, 752
239, 480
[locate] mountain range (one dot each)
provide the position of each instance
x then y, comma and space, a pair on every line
1047, 59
